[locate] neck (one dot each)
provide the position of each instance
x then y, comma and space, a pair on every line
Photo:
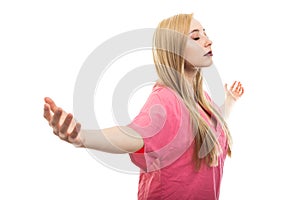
190, 75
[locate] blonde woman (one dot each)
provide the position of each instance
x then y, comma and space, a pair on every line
180, 138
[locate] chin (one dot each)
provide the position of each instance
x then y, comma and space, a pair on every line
207, 64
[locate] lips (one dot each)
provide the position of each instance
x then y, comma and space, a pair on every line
209, 53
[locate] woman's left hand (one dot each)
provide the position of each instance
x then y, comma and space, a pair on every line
236, 90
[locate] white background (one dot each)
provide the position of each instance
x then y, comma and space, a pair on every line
43, 45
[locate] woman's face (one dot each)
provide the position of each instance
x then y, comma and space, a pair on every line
198, 48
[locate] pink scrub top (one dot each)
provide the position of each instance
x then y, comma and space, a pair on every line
165, 161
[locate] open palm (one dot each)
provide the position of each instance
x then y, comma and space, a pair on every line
235, 91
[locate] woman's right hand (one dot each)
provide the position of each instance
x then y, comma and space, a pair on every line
63, 124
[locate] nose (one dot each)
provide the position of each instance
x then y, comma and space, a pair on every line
208, 42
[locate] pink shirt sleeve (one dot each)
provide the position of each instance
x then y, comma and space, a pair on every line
163, 123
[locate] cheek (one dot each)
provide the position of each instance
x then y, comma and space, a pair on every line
194, 53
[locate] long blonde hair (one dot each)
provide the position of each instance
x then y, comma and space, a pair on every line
169, 43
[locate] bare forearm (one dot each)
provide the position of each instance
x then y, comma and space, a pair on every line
118, 139
227, 106
232, 94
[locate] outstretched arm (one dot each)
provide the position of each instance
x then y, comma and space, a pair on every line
232, 95
118, 139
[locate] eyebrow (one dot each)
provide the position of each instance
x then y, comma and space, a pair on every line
196, 30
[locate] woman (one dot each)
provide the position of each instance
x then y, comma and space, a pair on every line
180, 138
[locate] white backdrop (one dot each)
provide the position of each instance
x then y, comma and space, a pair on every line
44, 44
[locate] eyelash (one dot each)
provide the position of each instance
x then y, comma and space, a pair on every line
197, 38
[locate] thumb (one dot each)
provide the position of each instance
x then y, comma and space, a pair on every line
225, 87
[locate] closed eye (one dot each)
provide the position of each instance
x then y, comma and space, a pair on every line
197, 38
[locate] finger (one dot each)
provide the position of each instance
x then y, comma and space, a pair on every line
73, 137
55, 119
225, 87
232, 86
238, 87
241, 87
47, 114
75, 131
52, 104
65, 126
62, 136
55, 132
242, 91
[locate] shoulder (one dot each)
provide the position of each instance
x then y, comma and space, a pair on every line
166, 95
170, 102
